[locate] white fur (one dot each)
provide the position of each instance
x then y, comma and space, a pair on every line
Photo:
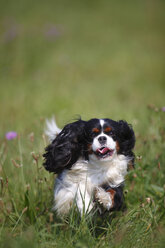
52, 130
101, 122
78, 184
73, 186
108, 172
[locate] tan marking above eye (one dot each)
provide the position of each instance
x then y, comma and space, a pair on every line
95, 130
107, 129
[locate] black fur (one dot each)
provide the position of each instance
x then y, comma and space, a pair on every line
65, 149
72, 142
119, 198
126, 138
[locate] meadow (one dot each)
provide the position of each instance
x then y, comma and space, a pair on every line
102, 59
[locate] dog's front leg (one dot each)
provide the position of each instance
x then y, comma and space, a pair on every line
104, 198
110, 198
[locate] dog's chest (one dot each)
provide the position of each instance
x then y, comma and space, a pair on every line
97, 177
94, 175
111, 173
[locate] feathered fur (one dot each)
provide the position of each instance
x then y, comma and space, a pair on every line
87, 155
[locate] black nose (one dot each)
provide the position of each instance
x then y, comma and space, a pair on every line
102, 140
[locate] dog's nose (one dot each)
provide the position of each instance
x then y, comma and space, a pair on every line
102, 140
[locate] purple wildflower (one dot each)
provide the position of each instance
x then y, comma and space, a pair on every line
11, 135
11, 33
52, 32
163, 109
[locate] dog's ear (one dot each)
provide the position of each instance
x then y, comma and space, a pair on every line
126, 138
66, 148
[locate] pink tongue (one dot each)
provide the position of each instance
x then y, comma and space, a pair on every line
104, 150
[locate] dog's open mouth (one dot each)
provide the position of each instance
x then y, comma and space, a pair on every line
104, 152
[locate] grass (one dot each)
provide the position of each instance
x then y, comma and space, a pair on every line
96, 59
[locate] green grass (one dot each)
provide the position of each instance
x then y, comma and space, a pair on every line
89, 58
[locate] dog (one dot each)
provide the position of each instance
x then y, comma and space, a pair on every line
91, 159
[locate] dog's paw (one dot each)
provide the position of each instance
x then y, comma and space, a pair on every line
104, 198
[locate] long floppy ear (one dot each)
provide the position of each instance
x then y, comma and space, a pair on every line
66, 148
126, 138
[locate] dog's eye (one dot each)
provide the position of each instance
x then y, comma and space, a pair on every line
108, 130
95, 130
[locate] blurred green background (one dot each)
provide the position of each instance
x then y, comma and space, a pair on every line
103, 59
92, 58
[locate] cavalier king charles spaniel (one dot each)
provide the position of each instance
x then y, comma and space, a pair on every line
91, 159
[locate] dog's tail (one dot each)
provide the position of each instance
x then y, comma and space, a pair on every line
52, 130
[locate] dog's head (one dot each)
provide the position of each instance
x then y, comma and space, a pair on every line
94, 140
106, 138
